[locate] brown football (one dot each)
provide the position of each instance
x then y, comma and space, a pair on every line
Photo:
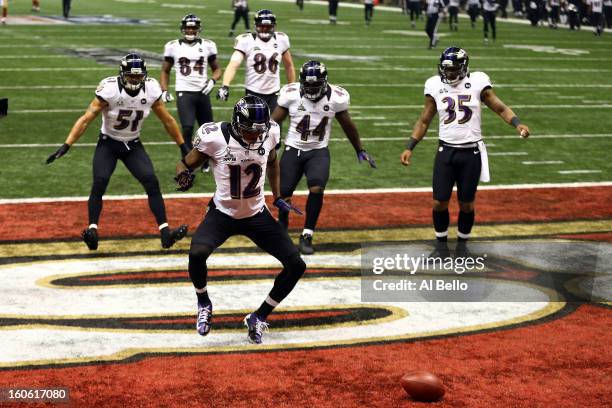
423, 386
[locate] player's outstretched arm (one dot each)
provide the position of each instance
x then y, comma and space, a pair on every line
229, 74
164, 79
170, 125
289, 68
280, 113
352, 134
273, 174
489, 98
420, 129
79, 127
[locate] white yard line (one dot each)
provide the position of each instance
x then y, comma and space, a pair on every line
305, 192
508, 153
530, 163
578, 171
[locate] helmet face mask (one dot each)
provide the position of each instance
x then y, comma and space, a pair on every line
191, 27
313, 80
453, 66
132, 72
265, 23
251, 120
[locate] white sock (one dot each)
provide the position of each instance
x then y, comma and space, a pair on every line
307, 231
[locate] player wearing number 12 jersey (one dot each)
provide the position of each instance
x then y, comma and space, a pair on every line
125, 102
456, 94
241, 154
312, 104
263, 52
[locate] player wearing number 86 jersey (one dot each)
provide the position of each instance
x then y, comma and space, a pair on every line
461, 159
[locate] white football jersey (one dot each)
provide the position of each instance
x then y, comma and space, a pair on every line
472, 3
489, 5
459, 107
311, 122
596, 5
122, 118
190, 62
239, 173
263, 60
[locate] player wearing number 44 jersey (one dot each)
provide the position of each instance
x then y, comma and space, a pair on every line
125, 101
191, 56
456, 94
241, 154
263, 51
312, 104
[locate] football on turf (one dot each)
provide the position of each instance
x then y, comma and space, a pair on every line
423, 386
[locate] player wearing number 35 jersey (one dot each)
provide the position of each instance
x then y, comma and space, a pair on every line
263, 51
125, 102
312, 104
456, 94
241, 153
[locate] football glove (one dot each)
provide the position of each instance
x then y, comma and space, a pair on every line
184, 180
285, 206
59, 153
184, 149
210, 84
223, 93
167, 96
363, 155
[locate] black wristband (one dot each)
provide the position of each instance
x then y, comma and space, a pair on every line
515, 121
412, 143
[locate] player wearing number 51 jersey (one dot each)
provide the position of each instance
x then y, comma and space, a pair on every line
241, 154
263, 51
191, 56
125, 101
456, 95
312, 104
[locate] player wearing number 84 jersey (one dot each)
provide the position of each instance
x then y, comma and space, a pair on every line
455, 94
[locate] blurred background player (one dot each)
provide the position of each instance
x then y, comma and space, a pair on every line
241, 153
456, 95
66, 5
312, 104
241, 11
453, 15
489, 12
433, 19
415, 11
369, 10
4, 5
36, 6
191, 56
263, 51
333, 11
607, 8
300, 4
596, 13
125, 101
555, 9
473, 11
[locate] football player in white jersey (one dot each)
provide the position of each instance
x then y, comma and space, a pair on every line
242, 153
456, 94
4, 6
263, 52
125, 102
190, 56
312, 104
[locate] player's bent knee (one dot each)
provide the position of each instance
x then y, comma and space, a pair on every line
466, 206
296, 266
440, 205
99, 185
200, 251
316, 189
150, 183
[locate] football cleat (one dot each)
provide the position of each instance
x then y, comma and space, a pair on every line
204, 320
170, 237
90, 237
306, 244
256, 327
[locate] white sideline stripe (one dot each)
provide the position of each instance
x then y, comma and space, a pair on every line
529, 163
583, 106
578, 171
305, 192
508, 153
355, 85
335, 139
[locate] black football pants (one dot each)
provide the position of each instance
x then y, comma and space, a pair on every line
193, 106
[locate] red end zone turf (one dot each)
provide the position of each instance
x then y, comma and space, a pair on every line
63, 220
561, 363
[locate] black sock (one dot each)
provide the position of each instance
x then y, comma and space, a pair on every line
264, 310
441, 220
198, 271
313, 209
203, 298
465, 224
